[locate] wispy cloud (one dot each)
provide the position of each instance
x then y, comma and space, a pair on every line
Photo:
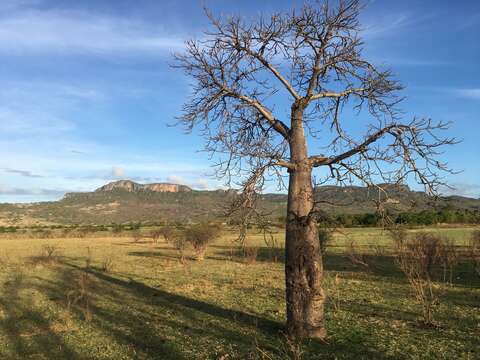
81, 32
7, 190
472, 93
463, 189
464, 93
392, 24
25, 122
24, 173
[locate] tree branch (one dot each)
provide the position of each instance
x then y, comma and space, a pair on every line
322, 160
337, 94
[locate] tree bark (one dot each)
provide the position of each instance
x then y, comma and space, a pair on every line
303, 263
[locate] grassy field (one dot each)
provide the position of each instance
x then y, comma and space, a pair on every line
113, 298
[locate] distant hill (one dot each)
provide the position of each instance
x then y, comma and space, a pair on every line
127, 201
131, 186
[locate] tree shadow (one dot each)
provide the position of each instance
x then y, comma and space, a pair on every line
29, 330
143, 317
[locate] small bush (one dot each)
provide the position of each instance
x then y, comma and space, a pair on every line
416, 256
168, 233
474, 250
449, 257
199, 236
355, 256
324, 237
180, 244
155, 235
117, 229
49, 252
107, 264
136, 236
251, 254
81, 296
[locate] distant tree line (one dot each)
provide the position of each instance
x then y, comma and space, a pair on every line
424, 217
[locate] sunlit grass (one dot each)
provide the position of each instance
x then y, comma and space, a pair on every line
150, 306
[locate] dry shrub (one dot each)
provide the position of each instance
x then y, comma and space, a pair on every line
324, 237
355, 256
449, 257
292, 349
81, 296
416, 256
43, 234
66, 233
155, 235
88, 259
49, 253
136, 236
272, 245
335, 293
107, 264
379, 250
199, 236
399, 236
177, 239
474, 250
168, 233
251, 254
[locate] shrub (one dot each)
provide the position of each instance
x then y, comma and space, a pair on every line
50, 252
82, 232
449, 257
117, 229
251, 254
168, 233
199, 236
354, 255
324, 237
177, 239
136, 236
474, 250
416, 256
107, 264
81, 295
155, 235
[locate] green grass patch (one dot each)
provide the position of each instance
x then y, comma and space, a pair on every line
147, 305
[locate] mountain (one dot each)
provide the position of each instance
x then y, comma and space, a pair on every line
127, 201
130, 186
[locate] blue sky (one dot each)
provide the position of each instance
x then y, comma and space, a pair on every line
87, 91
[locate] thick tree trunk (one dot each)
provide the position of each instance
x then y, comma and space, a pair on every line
303, 263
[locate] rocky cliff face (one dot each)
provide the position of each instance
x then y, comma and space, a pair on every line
131, 186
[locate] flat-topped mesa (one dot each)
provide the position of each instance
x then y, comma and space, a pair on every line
131, 186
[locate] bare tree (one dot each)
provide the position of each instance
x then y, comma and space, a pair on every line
308, 61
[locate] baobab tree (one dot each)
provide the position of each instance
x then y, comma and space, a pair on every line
308, 62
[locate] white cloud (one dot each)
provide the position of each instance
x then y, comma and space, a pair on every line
118, 171
175, 179
80, 32
197, 184
201, 184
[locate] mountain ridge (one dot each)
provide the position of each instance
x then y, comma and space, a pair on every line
127, 201
132, 186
